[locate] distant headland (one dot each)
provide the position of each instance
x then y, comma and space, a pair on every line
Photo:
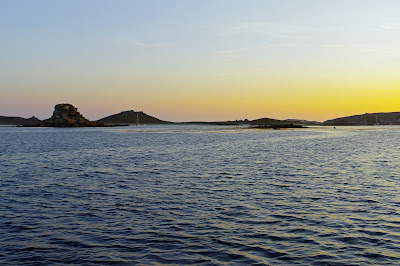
367, 119
67, 115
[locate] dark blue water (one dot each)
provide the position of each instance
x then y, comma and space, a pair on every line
200, 195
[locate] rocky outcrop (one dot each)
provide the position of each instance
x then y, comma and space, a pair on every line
67, 115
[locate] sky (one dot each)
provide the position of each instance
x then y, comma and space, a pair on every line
200, 60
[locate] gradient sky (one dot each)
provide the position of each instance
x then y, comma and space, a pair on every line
203, 60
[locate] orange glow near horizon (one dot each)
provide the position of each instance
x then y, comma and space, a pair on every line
262, 60
213, 100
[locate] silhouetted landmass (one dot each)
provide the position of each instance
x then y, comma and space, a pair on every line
279, 126
131, 117
222, 123
269, 123
302, 122
67, 115
261, 122
7, 120
366, 119
266, 121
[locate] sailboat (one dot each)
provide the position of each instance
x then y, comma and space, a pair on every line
376, 120
137, 119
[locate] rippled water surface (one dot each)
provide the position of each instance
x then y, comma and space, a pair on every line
200, 195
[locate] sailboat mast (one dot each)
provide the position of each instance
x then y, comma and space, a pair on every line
137, 119
376, 120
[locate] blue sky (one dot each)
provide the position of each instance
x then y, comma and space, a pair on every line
200, 60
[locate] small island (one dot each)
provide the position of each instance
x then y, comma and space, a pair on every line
278, 126
67, 115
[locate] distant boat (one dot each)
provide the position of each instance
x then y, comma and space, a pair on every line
137, 119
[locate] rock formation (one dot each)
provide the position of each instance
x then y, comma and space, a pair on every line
67, 115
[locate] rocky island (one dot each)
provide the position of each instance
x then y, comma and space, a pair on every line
67, 115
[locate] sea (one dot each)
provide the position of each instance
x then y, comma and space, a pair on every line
200, 195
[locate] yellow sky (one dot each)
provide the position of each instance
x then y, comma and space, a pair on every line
206, 60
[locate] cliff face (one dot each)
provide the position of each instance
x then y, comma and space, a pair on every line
130, 117
67, 115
